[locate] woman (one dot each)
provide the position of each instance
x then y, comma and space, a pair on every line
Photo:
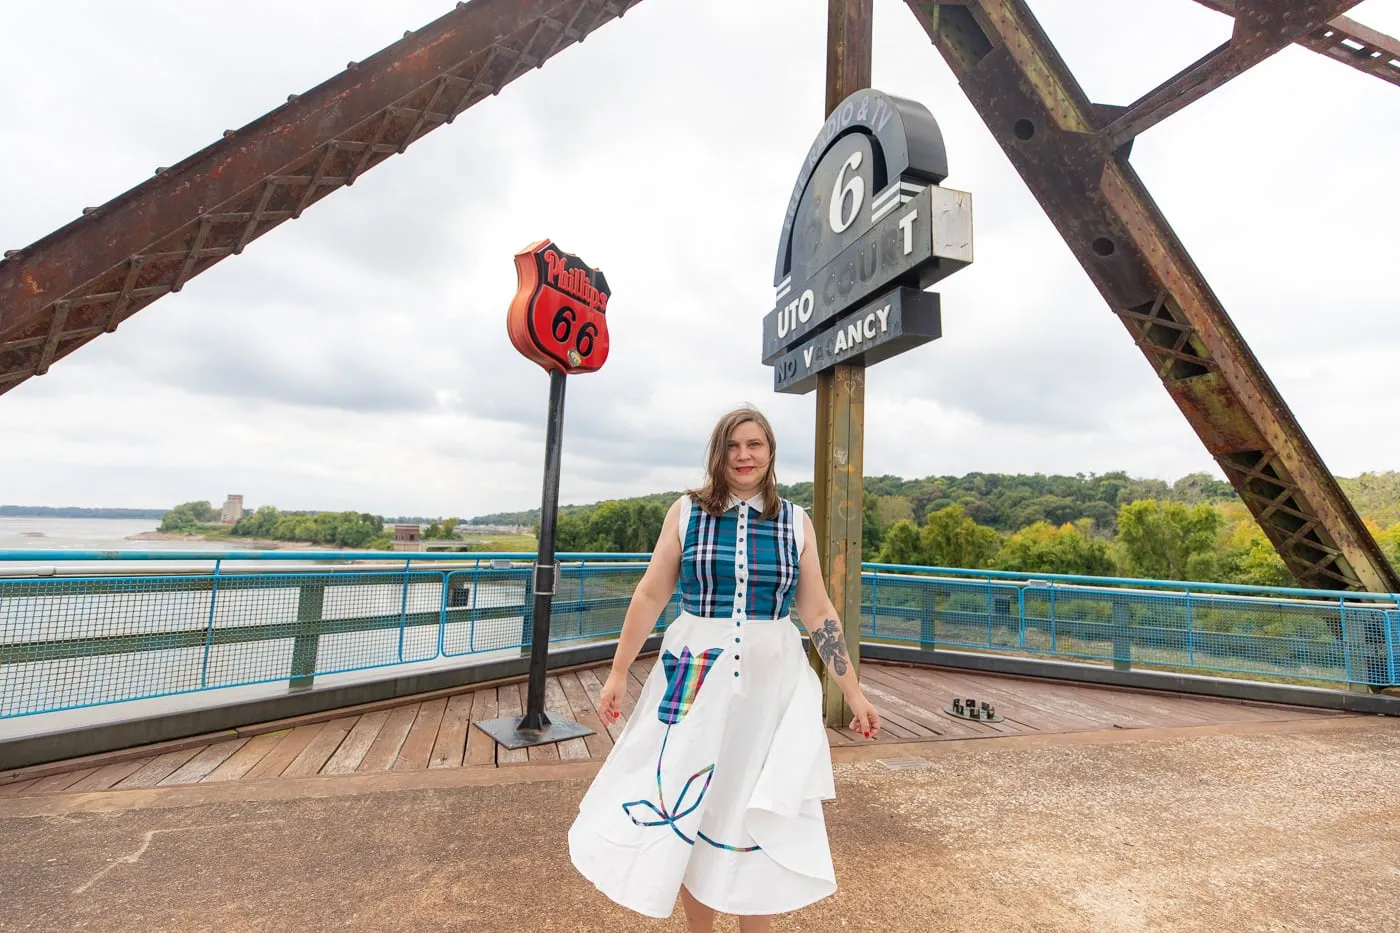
714, 789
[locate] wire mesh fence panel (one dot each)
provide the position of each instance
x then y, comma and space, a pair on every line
486, 610
74, 642
1347, 641
930, 611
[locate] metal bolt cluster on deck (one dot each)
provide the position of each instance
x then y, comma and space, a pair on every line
969, 708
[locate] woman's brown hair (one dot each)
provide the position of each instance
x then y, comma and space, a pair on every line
713, 496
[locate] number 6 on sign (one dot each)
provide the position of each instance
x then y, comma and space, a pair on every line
558, 317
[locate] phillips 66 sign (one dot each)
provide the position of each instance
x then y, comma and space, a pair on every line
558, 317
867, 228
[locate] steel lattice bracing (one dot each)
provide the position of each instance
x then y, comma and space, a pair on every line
1071, 154
1343, 39
84, 279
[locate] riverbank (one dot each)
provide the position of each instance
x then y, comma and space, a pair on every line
239, 544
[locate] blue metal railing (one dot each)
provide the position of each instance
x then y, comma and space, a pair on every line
88, 637
115, 627
1317, 635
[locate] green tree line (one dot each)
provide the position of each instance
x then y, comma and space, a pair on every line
342, 529
1195, 528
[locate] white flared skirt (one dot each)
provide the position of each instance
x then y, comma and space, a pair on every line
717, 780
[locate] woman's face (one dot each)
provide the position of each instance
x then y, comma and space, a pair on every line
747, 462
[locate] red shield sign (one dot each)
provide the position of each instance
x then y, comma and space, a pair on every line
558, 317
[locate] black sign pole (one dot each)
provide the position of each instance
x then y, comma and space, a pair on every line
546, 568
558, 320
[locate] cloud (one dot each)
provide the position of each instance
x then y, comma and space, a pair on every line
357, 357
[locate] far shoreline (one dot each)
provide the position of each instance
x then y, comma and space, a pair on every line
259, 544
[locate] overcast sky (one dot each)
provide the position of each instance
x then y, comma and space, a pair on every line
357, 358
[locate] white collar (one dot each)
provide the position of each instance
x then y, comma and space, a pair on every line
754, 502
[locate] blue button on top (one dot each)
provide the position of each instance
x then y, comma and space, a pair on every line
736, 673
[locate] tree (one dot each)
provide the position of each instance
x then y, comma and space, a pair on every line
1168, 540
187, 517
902, 544
1046, 548
1246, 554
951, 539
1195, 488
872, 529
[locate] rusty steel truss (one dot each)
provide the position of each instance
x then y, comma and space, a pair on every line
1073, 155
84, 279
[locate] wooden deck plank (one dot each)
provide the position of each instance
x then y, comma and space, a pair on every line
888, 700
481, 748
556, 701
916, 700
1045, 711
284, 752
16, 788
1050, 707
108, 775
1093, 703
384, 751
584, 713
937, 692
320, 749
159, 768
509, 702
356, 745
593, 686
57, 783
418, 746
243, 760
199, 767
838, 736
1159, 709
451, 744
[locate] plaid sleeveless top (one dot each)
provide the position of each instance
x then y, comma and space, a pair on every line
738, 565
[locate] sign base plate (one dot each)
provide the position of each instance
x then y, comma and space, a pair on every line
507, 732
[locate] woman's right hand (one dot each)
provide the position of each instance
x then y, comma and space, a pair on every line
610, 700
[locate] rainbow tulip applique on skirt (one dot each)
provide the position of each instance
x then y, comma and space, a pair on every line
684, 676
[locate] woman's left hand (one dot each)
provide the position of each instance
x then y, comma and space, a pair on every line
866, 720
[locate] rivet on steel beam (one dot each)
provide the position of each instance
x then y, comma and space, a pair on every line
11, 253
1024, 129
228, 133
291, 97
89, 210
161, 169
407, 33
351, 66
1103, 246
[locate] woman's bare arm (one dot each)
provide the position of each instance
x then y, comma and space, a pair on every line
652, 593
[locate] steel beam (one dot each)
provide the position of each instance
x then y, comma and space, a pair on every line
1262, 28
1052, 134
1345, 40
838, 474
83, 280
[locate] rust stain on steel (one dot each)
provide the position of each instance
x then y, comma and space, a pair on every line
209, 206
1216, 414
1050, 131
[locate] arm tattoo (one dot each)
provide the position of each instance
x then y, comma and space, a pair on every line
831, 647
